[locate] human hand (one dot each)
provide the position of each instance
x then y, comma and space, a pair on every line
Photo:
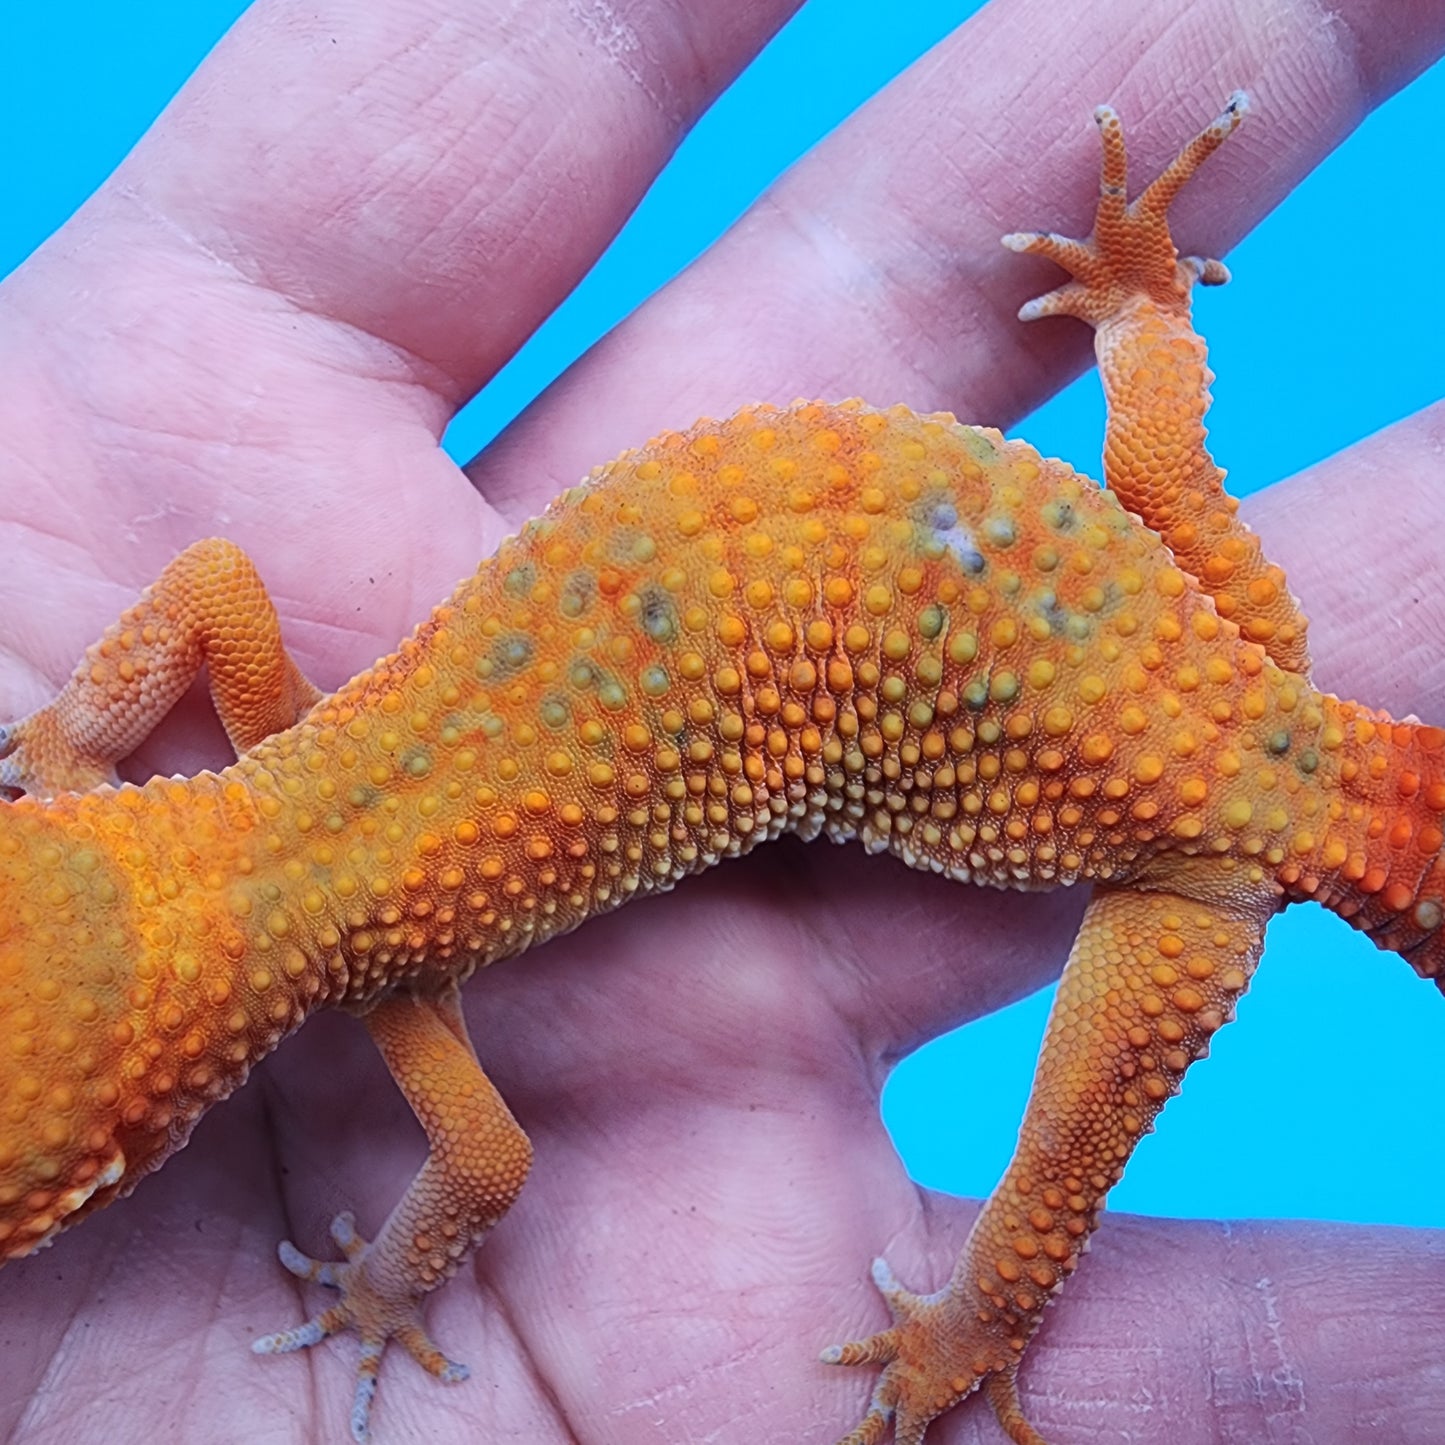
260, 328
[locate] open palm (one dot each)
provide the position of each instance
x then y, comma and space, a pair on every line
351, 218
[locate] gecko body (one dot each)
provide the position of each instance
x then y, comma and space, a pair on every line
819, 619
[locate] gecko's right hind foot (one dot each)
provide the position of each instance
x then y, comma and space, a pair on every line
936, 1353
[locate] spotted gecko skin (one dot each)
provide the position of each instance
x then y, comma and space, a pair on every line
819, 619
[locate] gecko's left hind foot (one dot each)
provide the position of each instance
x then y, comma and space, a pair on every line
376, 1314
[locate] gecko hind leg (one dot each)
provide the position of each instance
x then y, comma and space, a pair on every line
1125, 1026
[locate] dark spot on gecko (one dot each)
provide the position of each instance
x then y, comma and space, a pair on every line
953, 535
507, 656
521, 579
555, 711
1053, 612
975, 694
579, 592
1059, 514
659, 616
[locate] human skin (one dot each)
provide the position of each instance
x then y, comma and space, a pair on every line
267, 318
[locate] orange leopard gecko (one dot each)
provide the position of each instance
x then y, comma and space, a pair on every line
834, 620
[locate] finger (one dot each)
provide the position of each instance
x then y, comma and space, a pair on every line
873, 268
437, 175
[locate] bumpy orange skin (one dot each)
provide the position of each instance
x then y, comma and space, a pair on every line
820, 619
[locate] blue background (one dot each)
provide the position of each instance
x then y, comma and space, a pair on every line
1321, 1102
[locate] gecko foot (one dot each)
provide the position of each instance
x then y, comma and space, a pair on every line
937, 1353
1131, 252
377, 1315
